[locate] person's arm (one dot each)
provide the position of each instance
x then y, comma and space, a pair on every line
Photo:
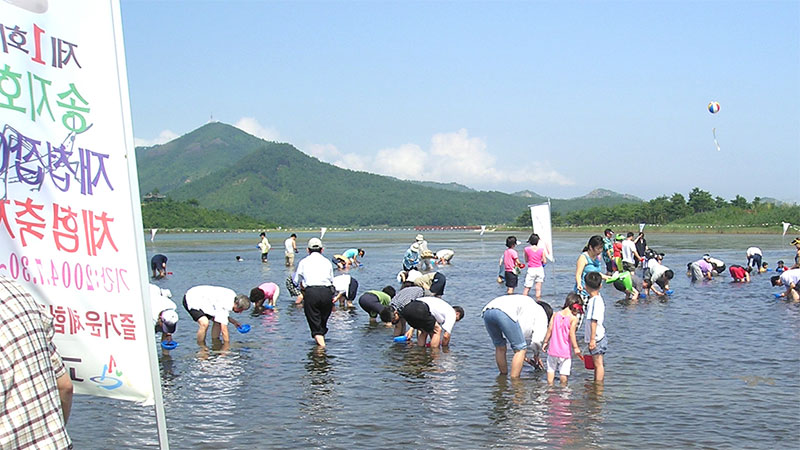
592, 334
578, 271
573, 326
445, 339
549, 332
544, 258
64, 385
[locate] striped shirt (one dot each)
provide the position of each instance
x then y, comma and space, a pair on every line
29, 365
406, 296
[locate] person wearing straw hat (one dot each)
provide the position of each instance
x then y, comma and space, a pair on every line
315, 277
796, 243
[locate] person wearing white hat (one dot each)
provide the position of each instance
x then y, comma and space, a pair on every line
165, 316
411, 258
426, 256
315, 277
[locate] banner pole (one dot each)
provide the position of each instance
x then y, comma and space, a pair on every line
136, 212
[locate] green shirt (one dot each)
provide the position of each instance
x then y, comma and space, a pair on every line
382, 296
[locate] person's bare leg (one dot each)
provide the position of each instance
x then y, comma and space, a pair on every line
517, 362
320, 340
526, 290
563, 380
500, 357
422, 338
551, 376
599, 370
202, 326
215, 330
538, 291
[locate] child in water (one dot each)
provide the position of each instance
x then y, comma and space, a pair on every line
560, 336
511, 264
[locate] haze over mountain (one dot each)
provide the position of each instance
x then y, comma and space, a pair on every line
225, 168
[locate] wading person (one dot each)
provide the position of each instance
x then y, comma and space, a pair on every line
315, 277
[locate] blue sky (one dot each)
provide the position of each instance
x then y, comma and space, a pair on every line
555, 97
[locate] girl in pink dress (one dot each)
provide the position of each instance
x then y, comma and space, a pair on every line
560, 336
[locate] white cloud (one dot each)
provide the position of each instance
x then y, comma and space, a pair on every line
250, 125
451, 157
163, 137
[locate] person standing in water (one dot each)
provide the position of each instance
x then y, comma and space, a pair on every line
535, 259
315, 276
264, 246
560, 337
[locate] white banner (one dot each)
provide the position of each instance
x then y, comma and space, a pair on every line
540, 217
70, 225
641, 227
785, 227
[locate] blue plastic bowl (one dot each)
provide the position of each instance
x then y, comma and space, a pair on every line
669, 292
269, 307
642, 295
243, 328
778, 295
400, 339
169, 345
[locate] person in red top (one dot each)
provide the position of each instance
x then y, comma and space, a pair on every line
739, 274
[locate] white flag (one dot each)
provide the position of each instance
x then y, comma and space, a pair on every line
322, 232
641, 227
483, 229
785, 227
540, 218
153, 234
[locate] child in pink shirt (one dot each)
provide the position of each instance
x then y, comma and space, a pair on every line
560, 335
511, 264
536, 259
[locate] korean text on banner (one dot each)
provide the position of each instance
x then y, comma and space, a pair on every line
540, 217
69, 229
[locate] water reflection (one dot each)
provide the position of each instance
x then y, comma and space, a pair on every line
319, 403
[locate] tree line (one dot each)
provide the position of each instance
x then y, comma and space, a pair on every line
700, 208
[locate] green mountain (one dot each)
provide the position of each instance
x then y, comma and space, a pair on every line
192, 156
221, 167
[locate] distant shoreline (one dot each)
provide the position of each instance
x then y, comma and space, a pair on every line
583, 229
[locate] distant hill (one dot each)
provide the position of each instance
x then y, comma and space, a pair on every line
446, 186
529, 194
224, 168
605, 193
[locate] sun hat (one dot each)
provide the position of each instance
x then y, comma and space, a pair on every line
413, 275
414, 247
314, 244
419, 238
169, 319
796, 241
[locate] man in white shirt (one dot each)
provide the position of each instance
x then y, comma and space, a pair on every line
290, 245
206, 303
754, 258
315, 277
446, 317
791, 280
629, 253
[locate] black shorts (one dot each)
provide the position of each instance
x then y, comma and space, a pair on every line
628, 267
317, 305
418, 315
352, 289
512, 280
196, 313
437, 285
371, 304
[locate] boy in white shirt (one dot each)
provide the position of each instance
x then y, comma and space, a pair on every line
595, 332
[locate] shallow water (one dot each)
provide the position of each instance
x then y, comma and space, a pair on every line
715, 366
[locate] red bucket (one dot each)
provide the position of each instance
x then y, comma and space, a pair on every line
588, 362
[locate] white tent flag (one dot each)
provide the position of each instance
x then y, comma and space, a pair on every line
785, 227
540, 217
73, 232
153, 234
483, 229
641, 227
322, 232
